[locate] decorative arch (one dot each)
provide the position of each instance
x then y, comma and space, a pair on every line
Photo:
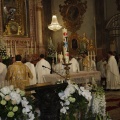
113, 33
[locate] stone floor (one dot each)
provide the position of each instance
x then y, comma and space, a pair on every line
113, 104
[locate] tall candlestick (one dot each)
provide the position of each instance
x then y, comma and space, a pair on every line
91, 59
88, 56
65, 45
67, 57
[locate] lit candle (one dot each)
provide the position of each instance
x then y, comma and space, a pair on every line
91, 59
67, 57
88, 55
61, 57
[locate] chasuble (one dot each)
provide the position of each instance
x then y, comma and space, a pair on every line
18, 75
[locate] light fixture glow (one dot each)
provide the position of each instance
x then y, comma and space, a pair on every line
54, 24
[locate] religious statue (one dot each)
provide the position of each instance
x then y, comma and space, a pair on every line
7, 30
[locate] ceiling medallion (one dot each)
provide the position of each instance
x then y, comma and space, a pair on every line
72, 14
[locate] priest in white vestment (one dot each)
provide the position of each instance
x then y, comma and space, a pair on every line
101, 66
32, 69
3, 71
93, 65
42, 68
59, 67
113, 77
74, 67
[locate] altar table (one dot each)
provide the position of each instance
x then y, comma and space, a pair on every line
47, 99
79, 77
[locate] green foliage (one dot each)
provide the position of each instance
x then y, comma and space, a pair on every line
15, 105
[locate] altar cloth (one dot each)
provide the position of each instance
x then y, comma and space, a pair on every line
79, 77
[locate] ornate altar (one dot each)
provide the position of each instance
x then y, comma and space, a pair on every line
72, 14
17, 26
13, 28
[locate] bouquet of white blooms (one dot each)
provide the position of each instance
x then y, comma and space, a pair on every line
74, 99
99, 104
14, 105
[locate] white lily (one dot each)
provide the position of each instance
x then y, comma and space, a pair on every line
24, 102
31, 116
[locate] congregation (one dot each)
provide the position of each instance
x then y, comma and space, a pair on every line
21, 74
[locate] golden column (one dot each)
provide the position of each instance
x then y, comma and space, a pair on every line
39, 26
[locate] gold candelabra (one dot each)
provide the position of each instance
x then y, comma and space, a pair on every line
67, 75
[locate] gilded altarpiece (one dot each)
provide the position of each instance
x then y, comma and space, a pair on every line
17, 26
72, 12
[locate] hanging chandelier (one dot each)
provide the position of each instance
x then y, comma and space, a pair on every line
54, 24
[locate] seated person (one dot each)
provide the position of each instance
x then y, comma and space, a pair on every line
59, 67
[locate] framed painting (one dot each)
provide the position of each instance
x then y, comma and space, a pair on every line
72, 14
74, 43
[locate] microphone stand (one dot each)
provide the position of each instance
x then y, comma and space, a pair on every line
54, 72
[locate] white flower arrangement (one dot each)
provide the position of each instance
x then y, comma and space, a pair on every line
99, 103
71, 99
74, 98
14, 105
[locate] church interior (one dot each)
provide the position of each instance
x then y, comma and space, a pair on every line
61, 29
24, 25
